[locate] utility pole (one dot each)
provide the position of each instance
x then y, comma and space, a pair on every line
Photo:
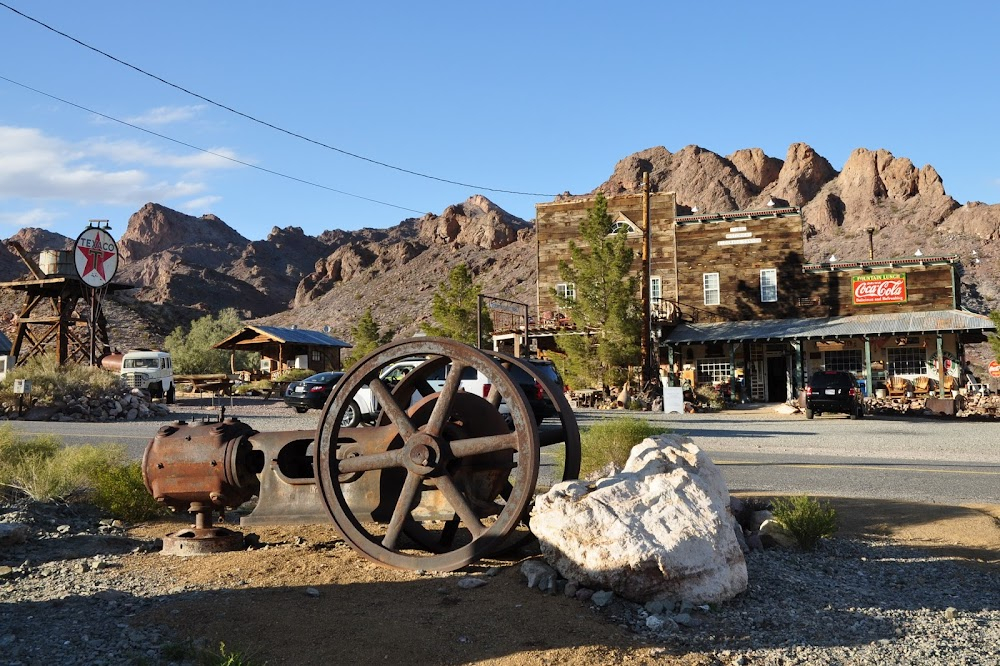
646, 305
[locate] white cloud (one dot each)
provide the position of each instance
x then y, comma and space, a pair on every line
36, 217
165, 115
34, 166
200, 205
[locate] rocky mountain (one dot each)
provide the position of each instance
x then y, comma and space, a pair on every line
186, 266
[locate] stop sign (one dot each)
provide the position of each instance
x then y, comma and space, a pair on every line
994, 369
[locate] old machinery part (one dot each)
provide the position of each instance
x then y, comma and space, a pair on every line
441, 480
201, 468
288, 491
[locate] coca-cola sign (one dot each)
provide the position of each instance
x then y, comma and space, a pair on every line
882, 288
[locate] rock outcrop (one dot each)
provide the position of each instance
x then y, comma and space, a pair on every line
659, 530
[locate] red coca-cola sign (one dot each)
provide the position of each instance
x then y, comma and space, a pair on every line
882, 288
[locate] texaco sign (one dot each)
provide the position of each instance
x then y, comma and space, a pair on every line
96, 255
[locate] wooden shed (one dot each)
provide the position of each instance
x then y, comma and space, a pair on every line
286, 348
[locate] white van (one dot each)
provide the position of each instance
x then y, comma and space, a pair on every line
150, 370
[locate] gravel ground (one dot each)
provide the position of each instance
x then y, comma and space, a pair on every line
80, 588
77, 591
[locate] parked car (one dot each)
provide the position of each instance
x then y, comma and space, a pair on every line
834, 391
311, 392
366, 406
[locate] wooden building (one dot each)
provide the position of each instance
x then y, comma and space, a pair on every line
286, 348
733, 301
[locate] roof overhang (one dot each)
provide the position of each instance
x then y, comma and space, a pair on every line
937, 321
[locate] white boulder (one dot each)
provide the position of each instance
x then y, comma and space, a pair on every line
660, 529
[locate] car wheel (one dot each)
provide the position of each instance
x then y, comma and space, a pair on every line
854, 414
861, 411
302, 410
809, 413
171, 395
352, 416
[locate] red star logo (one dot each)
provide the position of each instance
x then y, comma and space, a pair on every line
96, 257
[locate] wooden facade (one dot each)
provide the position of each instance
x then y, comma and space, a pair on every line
732, 253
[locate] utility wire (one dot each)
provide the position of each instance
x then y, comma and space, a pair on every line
264, 122
209, 152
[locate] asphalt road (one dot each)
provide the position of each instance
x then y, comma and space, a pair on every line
914, 459
901, 458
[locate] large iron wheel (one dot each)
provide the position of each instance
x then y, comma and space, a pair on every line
424, 488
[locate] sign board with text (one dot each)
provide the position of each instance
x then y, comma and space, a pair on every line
96, 256
994, 369
879, 288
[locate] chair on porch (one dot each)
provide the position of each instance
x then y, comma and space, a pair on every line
898, 386
923, 385
950, 384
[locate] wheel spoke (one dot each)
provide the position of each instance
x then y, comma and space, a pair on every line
402, 510
392, 409
461, 448
460, 505
435, 425
368, 463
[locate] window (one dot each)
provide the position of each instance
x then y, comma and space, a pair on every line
623, 224
655, 289
316, 355
566, 290
846, 360
907, 361
769, 285
714, 371
710, 282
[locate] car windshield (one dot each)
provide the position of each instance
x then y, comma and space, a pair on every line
324, 378
832, 380
141, 363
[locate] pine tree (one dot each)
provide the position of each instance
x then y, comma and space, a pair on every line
454, 308
367, 337
606, 302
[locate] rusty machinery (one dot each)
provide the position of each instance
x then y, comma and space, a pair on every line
440, 479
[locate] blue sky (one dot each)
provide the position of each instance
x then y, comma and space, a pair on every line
535, 97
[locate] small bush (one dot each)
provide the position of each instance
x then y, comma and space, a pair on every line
612, 441
120, 491
710, 395
253, 388
51, 382
806, 519
294, 375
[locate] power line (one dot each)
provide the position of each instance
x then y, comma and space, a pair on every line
264, 122
209, 152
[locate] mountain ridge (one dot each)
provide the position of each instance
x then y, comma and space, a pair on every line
185, 266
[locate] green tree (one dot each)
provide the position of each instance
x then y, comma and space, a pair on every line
454, 308
606, 301
367, 337
192, 348
993, 337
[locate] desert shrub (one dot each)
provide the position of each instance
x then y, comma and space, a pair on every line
710, 395
51, 381
253, 388
611, 441
120, 491
294, 375
805, 518
41, 469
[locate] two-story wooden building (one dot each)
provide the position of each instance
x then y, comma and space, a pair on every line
732, 299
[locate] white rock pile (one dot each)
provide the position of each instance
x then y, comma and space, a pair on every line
661, 529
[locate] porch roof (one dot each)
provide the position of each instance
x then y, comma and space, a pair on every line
936, 321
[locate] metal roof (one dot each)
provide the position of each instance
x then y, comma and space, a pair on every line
301, 336
249, 336
937, 321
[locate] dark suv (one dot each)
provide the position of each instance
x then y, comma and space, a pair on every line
834, 391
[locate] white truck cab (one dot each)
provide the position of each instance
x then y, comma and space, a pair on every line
150, 370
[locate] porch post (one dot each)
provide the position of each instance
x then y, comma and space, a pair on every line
799, 383
672, 374
868, 366
940, 355
732, 370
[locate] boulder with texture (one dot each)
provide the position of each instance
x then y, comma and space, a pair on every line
660, 529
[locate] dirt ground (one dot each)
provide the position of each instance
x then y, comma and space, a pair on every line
257, 602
